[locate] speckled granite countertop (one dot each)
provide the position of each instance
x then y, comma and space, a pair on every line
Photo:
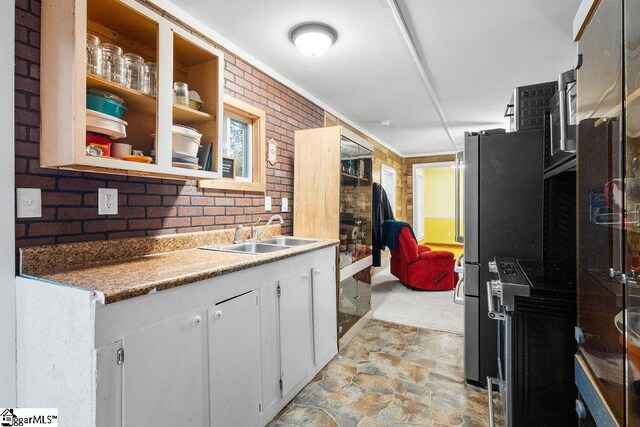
128, 277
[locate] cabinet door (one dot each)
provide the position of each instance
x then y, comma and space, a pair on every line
601, 202
165, 373
325, 327
109, 386
234, 353
296, 329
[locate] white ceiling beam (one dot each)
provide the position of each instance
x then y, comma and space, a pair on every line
421, 65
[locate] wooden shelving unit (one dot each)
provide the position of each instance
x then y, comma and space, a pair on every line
348, 176
179, 56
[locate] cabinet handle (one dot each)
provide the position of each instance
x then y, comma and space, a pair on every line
196, 321
316, 271
218, 314
305, 277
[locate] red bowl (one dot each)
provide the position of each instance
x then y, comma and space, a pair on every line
101, 141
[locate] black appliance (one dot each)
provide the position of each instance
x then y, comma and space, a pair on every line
529, 106
560, 127
503, 215
534, 304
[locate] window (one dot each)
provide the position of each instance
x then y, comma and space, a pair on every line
244, 140
238, 143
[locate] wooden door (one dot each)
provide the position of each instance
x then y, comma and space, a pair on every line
164, 374
235, 354
296, 329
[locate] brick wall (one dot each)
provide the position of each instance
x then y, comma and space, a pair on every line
147, 206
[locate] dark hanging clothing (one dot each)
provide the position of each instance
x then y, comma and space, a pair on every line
382, 211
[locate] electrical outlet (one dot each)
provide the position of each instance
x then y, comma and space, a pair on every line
285, 204
107, 201
267, 203
28, 203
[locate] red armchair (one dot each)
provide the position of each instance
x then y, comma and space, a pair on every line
417, 266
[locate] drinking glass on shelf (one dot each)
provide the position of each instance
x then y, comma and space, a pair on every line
181, 93
134, 71
112, 63
150, 78
94, 55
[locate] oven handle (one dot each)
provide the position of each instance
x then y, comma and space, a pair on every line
493, 314
506, 111
491, 381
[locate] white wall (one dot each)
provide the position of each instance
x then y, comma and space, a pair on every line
7, 223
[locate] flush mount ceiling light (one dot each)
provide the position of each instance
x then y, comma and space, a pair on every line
385, 122
313, 38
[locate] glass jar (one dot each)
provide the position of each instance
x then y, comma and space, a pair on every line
134, 71
94, 55
181, 94
150, 79
112, 63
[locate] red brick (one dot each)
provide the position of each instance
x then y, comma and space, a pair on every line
176, 222
54, 228
104, 225
144, 224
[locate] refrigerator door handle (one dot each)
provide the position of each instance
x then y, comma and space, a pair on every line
459, 164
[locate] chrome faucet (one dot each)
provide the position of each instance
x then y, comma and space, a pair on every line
237, 237
258, 234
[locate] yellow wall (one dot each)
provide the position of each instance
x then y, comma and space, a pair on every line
439, 209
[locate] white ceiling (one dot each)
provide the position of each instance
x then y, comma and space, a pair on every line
475, 52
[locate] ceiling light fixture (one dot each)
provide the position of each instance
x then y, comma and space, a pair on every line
313, 38
385, 122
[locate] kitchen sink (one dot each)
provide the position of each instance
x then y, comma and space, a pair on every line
287, 241
247, 248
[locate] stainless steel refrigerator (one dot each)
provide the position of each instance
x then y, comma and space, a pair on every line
503, 217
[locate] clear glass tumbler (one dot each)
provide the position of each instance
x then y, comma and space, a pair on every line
112, 63
134, 71
150, 78
94, 55
181, 93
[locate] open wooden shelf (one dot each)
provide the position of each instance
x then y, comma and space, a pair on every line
355, 177
134, 99
184, 115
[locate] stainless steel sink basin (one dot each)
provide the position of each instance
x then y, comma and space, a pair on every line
287, 241
247, 248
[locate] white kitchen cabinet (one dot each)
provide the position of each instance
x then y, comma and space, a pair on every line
168, 358
235, 361
164, 373
296, 328
325, 332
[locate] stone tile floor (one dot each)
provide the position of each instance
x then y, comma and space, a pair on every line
391, 375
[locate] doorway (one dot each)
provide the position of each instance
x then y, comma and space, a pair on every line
388, 182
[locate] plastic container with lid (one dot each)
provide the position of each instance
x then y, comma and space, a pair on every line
134, 71
112, 63
94, 55
105, 102
185, 140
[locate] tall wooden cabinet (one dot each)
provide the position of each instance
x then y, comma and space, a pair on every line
333, 199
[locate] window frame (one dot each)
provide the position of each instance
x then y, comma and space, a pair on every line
258, 142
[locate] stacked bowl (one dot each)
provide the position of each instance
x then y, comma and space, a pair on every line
186, 142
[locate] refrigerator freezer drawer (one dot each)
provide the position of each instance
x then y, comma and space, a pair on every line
471, 339
471, 280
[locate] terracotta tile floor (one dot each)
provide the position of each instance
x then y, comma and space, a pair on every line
391, 375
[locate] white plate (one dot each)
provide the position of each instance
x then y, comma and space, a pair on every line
186, 165
106, 125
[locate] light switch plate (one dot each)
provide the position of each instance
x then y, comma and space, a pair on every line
28, 203
267, 203
285, 204
107, 201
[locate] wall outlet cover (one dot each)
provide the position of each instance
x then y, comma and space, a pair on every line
267, 203
107, 201
28, 203
285, 204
